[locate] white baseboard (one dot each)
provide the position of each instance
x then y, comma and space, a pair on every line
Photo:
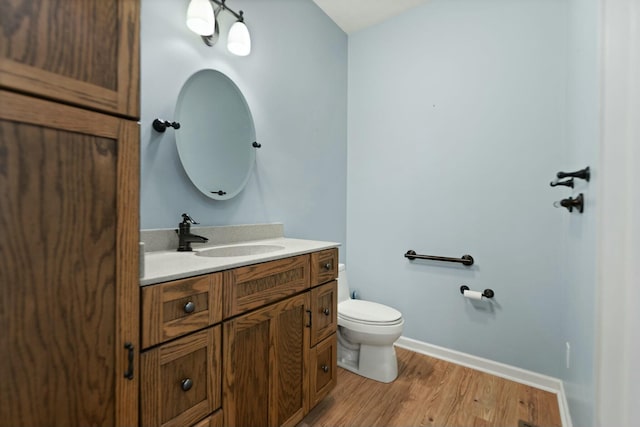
512, 373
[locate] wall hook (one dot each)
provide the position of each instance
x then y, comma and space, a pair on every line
557, 182
162, 125
581, 174
571, 203
256, 144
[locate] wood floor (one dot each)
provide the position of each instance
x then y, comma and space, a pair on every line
432, 392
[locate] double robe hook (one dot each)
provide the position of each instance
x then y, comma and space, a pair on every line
580, 174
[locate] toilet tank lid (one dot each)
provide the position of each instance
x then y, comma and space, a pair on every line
369, 311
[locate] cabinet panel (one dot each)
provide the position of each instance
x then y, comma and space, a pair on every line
69, 270
324, 266
324, 369
214, 420
291, 386
323, 311
265, 364
254, 286
182, 380
80, 52
176, 308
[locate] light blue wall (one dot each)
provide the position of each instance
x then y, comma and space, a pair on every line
460, 113
457, 114
295, 82
579, 320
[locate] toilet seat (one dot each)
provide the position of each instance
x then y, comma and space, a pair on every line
368, 313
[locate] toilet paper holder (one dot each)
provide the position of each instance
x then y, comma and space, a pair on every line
487, 293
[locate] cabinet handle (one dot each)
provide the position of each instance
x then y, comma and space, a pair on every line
327, 266
324, 368
186, 384
309, 325
325, 311
128, 374
189, 307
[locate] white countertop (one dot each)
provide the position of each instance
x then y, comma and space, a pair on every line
161, 266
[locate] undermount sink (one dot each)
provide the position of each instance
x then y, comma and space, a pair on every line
240, 250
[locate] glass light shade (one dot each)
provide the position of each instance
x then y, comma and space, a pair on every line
200, 17
239, 41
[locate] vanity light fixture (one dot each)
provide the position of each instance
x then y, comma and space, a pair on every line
202, 20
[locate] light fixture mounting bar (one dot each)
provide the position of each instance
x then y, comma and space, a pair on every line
239, 16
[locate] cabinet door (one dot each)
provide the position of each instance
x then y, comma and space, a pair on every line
265, 365
77, 51
324, 316
324, 369
69, 293
181, 380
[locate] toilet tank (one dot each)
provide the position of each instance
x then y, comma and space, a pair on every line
343, 285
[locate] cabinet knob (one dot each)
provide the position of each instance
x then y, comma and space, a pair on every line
189, 307
324, 368
186, 384
326, 311
327, 266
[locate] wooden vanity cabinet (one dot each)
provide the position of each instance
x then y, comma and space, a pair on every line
263, 336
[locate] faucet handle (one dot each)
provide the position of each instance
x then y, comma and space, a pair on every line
187, 219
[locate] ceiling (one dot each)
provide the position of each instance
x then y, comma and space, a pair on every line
354, 15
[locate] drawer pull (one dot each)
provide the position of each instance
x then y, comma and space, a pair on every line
130, 349
325, 368
327, 266
189, 307
186, 384
326, 311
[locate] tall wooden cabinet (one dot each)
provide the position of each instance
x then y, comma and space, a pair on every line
69, 209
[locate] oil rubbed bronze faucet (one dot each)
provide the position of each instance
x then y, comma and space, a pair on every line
185, 238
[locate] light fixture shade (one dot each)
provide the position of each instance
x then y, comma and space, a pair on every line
239, 41
200, 17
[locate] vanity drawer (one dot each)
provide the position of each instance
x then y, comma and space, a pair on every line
257, 285
324, 318
176, 308
324, 266
323, 370
182, 380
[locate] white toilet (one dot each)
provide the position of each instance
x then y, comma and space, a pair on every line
366, 333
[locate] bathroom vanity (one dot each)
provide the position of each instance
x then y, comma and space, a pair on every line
238, 340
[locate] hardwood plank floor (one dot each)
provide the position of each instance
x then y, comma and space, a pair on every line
433, 392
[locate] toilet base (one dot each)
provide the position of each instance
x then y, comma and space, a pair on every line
371, 361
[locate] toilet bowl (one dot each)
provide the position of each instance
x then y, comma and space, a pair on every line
366, 333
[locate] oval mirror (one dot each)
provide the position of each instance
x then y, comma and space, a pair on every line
216, 135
